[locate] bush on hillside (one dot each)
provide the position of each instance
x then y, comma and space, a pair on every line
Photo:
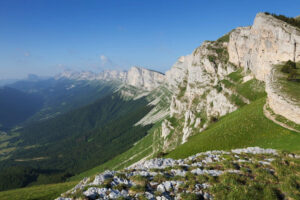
288, 67
290, 20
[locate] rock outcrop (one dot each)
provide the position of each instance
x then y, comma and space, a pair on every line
269, 41
280, 103
165, 178
198, 96
144, 78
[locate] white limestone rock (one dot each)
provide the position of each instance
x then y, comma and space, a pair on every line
99, 179
166, 128
136, 76
255, 150
267, 42
144, 78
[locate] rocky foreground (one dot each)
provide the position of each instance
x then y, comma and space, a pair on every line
245, 173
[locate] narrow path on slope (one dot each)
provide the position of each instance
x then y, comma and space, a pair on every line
272, 118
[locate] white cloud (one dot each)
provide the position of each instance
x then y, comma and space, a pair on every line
27, 54
106, 63
104, 59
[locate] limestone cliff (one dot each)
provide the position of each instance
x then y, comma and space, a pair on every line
144, 78
269, 41
198, 96
258, 48
138, 77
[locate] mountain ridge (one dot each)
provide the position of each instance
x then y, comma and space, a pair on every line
136, 76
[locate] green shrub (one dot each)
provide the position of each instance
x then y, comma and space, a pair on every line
159, 178
224, 38
288, 67
140, 180
290, 20
237, 100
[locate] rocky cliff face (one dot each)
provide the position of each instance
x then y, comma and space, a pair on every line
144, 78
269, 41
279, 103
258, 48
138, 77
198, 94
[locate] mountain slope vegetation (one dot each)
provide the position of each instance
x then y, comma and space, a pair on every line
63, 95
17, 106
75, 141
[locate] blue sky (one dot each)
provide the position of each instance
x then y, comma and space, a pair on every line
47, 36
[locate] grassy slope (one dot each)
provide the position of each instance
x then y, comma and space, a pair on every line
243, 128
287, 88
140, 150
48, 192
143, 148
41, 192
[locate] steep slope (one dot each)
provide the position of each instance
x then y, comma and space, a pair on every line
199, 97
245, 127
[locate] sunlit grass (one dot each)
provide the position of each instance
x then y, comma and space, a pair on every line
243, 128
41, 192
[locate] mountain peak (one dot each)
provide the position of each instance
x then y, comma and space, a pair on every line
144, 78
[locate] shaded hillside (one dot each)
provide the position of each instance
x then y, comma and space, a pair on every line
17, 106
63, 95
76, 141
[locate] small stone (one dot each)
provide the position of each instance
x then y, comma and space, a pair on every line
150, 196
161, 188
206, 195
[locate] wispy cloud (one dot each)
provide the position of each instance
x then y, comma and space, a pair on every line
104, 60
27, 53
107, 63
